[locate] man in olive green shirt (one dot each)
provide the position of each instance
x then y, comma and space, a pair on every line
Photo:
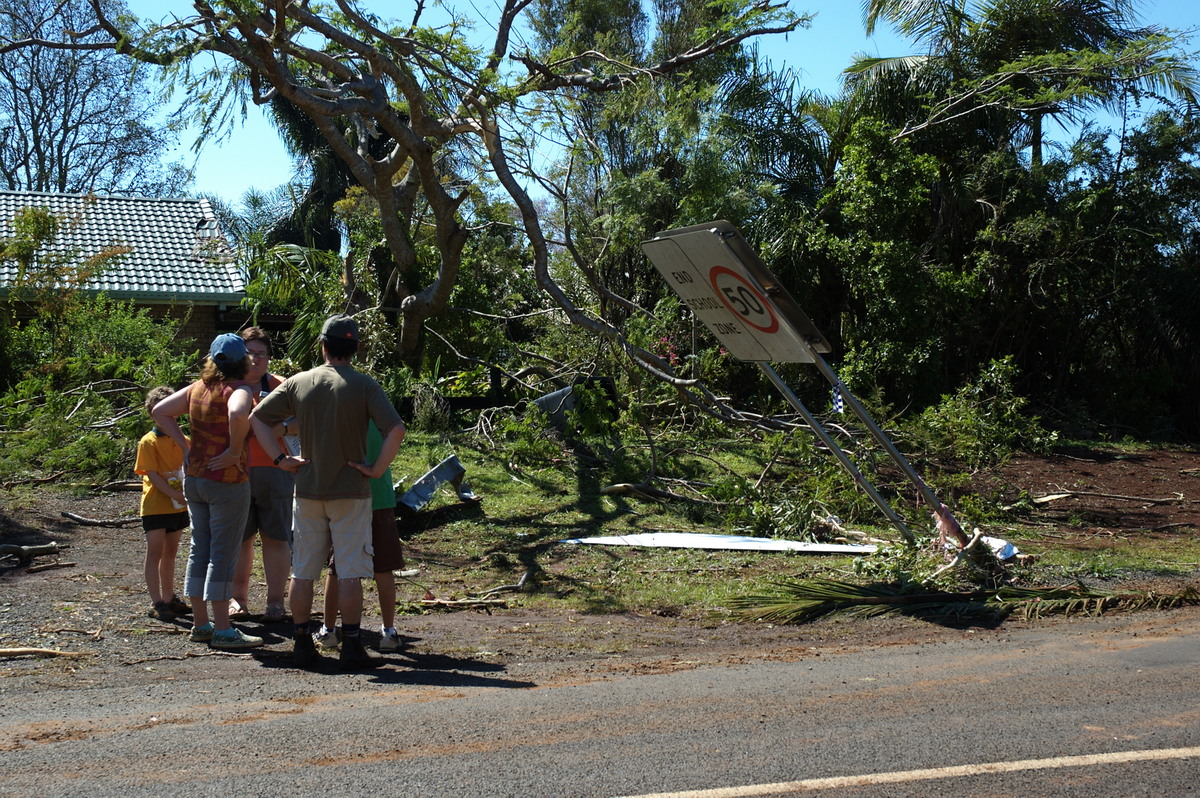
332, 404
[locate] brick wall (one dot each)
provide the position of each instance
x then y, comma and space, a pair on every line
200, 323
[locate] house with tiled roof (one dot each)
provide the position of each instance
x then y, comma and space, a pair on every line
166, 255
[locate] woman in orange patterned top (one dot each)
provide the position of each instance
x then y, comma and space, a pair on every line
216, 483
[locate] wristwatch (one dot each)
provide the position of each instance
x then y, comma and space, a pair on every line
280, 457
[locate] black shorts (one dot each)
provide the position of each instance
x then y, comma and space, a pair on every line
172, 522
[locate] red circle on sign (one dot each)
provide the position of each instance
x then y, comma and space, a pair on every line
744, 295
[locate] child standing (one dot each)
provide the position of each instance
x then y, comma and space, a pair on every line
164, 513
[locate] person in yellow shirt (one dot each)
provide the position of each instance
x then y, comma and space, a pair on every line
164, 513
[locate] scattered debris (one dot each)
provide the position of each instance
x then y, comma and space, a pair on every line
1002, 550
449, 470
557, 404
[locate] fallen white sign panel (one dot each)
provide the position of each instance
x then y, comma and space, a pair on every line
697, 540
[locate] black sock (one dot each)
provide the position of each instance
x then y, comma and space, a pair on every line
351, 629
301, 630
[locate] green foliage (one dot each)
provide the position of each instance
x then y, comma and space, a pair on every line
897, 299
32, 228
82, 369
902, 564
529, 439
431, 412
795, 495
984, 422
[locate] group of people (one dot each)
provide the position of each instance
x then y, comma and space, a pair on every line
235, 478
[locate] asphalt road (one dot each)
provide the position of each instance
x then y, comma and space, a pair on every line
1095, 707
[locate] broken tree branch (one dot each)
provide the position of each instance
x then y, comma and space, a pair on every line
121, 484
462, 602
961, 555
47, 566
7, 653
188, 655
79, 519
33, 480
26, 553
1178, 498
648, 492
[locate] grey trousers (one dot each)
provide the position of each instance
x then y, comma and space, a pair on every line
218, 512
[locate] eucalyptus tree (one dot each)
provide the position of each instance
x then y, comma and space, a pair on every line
411, 93
77, 121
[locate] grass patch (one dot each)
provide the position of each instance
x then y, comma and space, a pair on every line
527, 509
1109, 557
530, 505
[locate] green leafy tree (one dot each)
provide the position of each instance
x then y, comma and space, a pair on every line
1002, 67
415, 94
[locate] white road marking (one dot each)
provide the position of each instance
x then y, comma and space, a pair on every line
956, 771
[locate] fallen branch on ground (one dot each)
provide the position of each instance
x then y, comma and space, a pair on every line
189, 655
33, 480
95, 634
513, 588
648, 492
47, 566
79, 519
1162, 527
462, 603
1071, 493
120, 484
26, 553
40, 652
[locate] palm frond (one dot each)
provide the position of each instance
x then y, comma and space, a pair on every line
796, 602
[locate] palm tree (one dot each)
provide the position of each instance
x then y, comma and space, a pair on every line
1008, 64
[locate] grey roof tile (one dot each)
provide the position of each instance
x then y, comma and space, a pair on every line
177, 252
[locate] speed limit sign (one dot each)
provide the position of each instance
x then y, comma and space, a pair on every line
734, 295
743, 299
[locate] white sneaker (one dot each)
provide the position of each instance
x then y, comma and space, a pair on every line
326, 638
408, 574
389, 640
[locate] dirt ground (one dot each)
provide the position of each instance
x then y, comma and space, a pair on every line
90, 598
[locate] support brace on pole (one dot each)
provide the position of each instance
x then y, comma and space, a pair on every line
946, 522
859, 480
728, 288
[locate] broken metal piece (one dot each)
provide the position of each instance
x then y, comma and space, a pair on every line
449, 470
557, 404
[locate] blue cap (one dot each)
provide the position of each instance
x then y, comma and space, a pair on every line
227, 348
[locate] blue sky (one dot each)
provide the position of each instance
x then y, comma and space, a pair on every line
252, 156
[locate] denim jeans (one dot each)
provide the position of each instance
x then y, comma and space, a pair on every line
218, 512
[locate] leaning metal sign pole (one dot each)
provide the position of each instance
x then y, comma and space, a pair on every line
731, 291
